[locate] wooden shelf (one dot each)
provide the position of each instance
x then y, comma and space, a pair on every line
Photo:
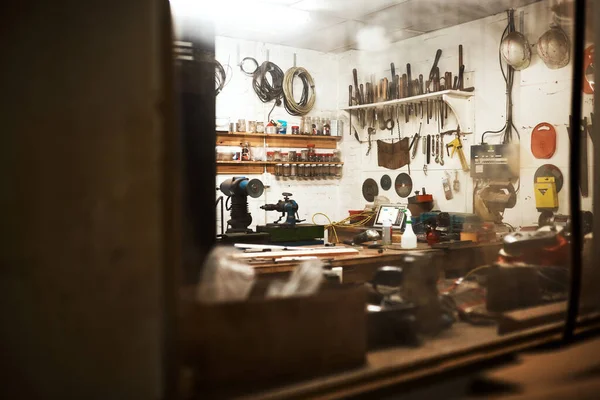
414, 99
302, 162
269, 142
277, 136
459, 101
258, 167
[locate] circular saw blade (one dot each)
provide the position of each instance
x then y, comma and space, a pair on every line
403, 185
550, 170
386, 182
370, 189
255, 188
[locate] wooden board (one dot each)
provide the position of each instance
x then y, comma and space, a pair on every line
531, 317
324, 252
237, 140
300, 141
240, 167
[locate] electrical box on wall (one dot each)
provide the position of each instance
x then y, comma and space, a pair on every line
495, 161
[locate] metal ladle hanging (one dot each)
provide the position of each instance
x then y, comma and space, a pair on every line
515, 48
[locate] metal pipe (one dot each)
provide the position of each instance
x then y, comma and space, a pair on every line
574, 173
220, 200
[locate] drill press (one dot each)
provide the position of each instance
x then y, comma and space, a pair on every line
290, 231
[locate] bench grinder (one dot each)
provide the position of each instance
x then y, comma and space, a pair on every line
237, 190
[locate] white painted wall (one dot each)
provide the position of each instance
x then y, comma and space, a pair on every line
540, 94
238, 100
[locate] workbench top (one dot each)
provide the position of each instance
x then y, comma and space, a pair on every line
361, 266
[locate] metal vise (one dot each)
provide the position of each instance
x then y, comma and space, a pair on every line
287, 208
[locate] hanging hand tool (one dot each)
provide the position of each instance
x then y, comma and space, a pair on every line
441, 149
389, 125
437, 149
461, 67
415, 141
456, 145
434, 69
428, 149
363, 121
398, 121
410, 82
456, 183
350, 104
424, 142
370, 132
392, 90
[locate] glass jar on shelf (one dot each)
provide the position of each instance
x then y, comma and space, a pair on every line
276, 155
260, 127
317, 170
338, 170
304, 155
306, 125
337, 156
293, 172
251, 126
292, 155
311, 152
327, 127
313, 124
295, 130
286, 170
319, 125
270, 156
278, 169
300, 170
241, 125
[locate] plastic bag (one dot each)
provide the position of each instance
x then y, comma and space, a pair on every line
223, 278
304, 281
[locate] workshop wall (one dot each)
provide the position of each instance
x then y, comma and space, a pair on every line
539, 95
238, 100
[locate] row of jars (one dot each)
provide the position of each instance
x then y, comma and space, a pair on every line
308, 154
315, 126
309, 126
309, 170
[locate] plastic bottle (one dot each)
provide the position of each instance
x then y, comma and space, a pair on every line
409, 239
386, 237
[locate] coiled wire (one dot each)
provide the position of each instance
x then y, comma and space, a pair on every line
306, 102
220, 77
265, 90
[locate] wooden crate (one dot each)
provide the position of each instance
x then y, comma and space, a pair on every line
262, 341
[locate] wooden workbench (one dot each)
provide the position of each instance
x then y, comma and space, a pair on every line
360, 267
461, 346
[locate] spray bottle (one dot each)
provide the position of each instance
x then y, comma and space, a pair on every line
409, 239
386, 237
